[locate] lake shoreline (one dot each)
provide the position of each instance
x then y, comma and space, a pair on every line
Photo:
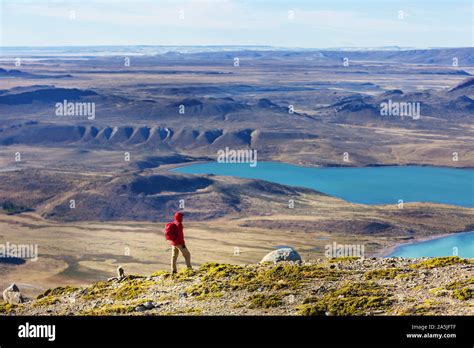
388, 251
359, 185
171, 167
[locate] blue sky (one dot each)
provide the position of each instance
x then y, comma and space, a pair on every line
311, 24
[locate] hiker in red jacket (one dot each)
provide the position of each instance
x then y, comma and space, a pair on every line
175, 235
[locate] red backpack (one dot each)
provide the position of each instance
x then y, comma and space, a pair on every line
170, 231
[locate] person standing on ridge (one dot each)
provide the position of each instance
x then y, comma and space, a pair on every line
175, 235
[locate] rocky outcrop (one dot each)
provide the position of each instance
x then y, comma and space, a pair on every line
12, 295
282, 254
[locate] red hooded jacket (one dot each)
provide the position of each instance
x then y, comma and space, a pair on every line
179, 236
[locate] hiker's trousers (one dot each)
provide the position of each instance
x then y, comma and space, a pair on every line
175, 250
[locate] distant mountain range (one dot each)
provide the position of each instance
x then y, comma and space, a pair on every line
464, 55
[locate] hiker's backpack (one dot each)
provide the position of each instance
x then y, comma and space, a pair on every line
170, 231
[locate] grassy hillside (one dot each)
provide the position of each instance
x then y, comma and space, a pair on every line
344, 286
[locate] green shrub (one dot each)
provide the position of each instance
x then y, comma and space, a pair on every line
350, 299
265, 301
440, 262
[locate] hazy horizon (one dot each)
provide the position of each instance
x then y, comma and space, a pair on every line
390, 47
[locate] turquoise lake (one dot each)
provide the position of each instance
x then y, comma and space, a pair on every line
460, 244
367, 185
372, 185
